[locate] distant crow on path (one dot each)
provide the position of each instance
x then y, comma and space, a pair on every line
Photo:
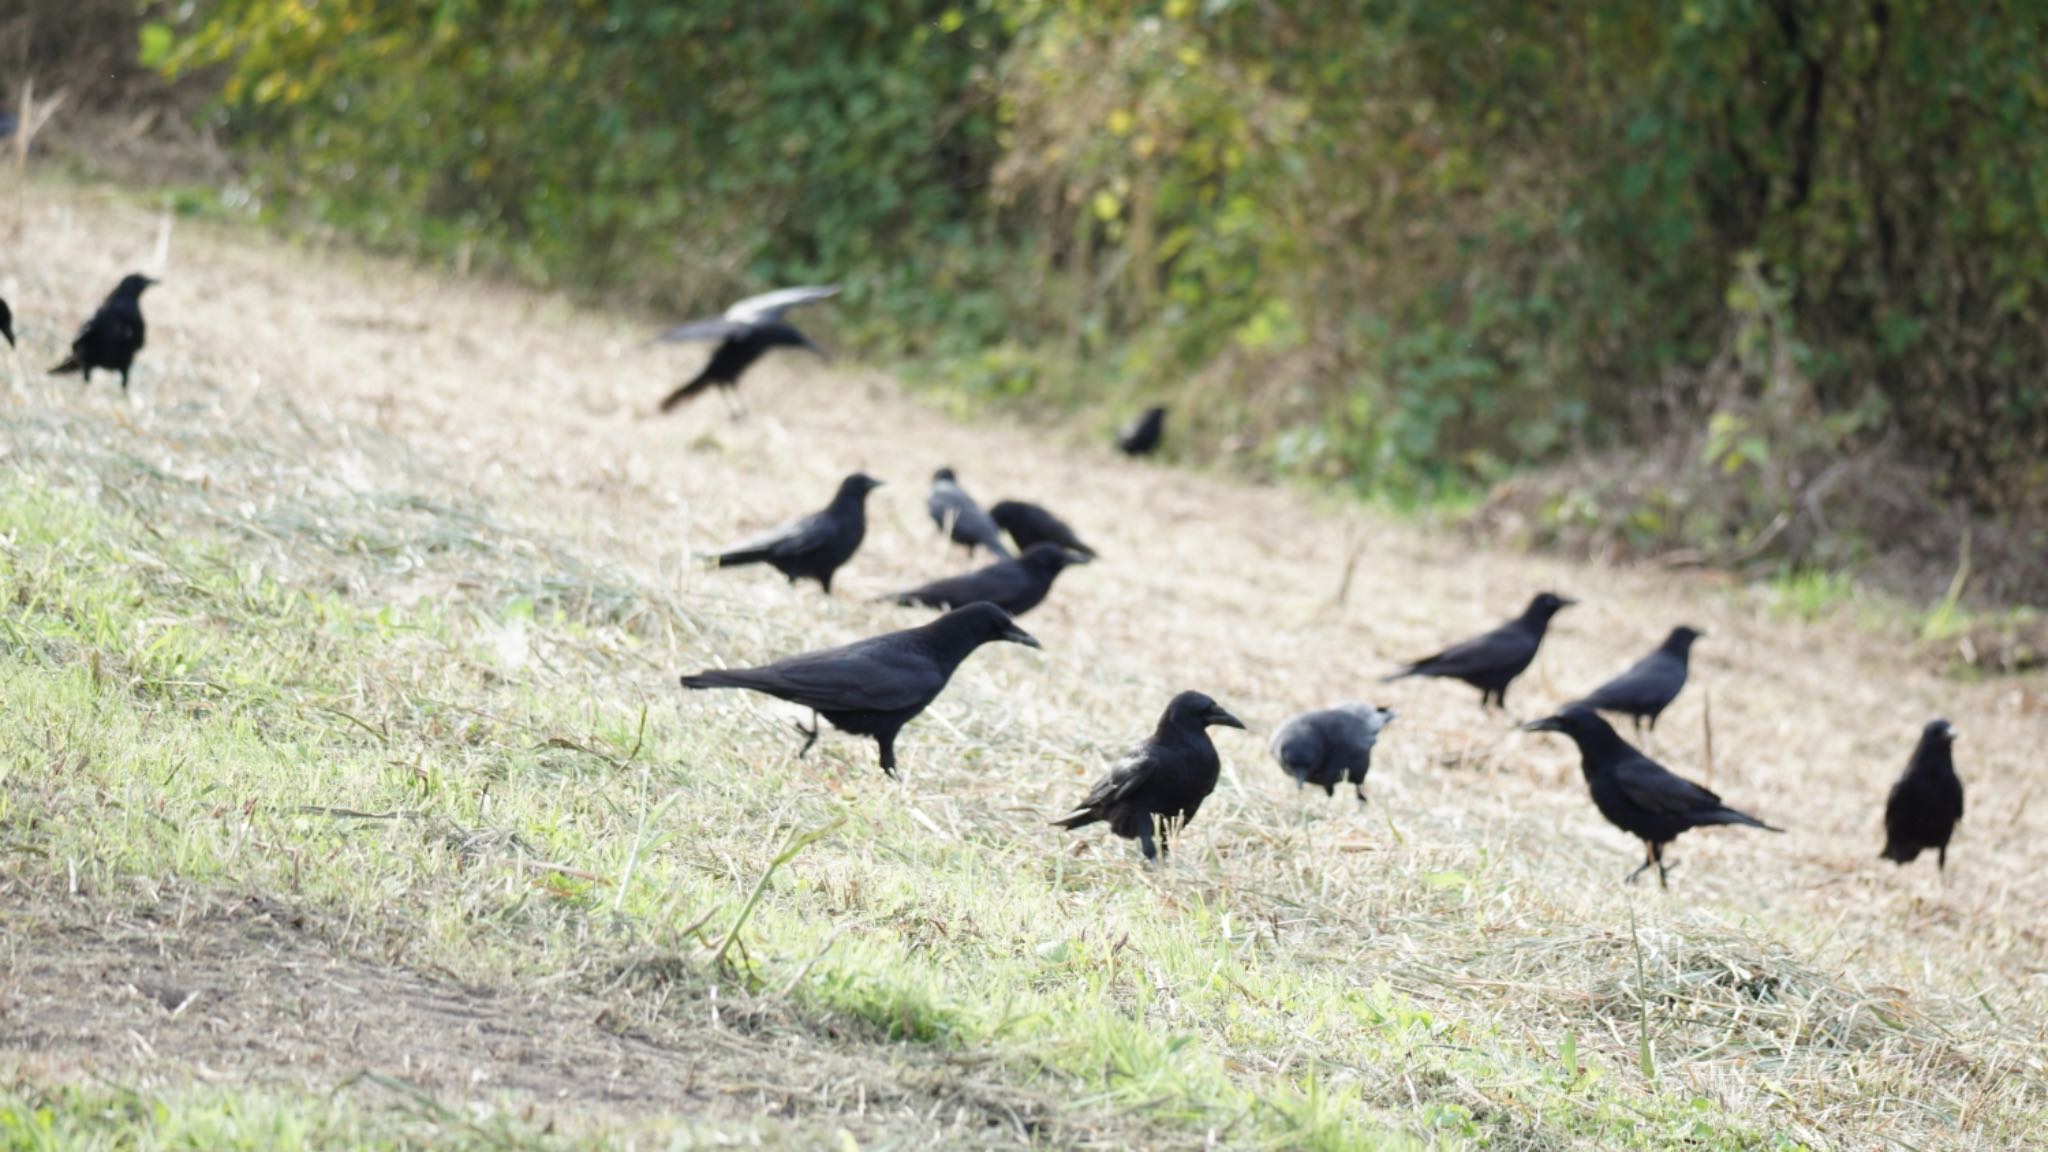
1029, 524
1927, 802
113, 336
875, 686
1637, 794
814, 547
745, 333
1015, 586
956, 514
1648, 687
1331, 745
1161, 785
7, 323
1141, 436
1491, 662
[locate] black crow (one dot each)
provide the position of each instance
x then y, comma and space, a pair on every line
875, 686
1926, 803
1331, 745
1016, 586
1649, 687
1162, 783
1637, 794
956, 514
1141, 436
745, 333
113, 336
1029, 524
7, 323
1492, 661
814, 547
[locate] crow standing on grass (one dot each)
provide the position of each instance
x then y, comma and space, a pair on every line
1141, 436
1649, 687
1637, 794
1029, 524
747, 331
814, 547
1331, 745
1492, 661
1015, 586
1162, 783
1926, 803
957, 515
113, 336
875, 686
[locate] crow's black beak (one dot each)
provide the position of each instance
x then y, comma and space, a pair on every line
1218, 718
1074, 557
1016, 635
1547, 724
1388, 715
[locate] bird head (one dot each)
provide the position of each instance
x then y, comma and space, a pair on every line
1548, 604
1682, 637
133, 284
1051, 557
1940, 730
1578, 723
1374, 718
943, 476
988, 623
1195, 710
859, 484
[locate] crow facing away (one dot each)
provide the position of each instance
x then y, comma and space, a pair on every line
1016, 586
1927, 801
1330, 745
113, 336
7, 323
747, 331
1162, 783
1650, 685
1635, 793
1141, 436
814, 547
1030, 524
1491, 662
875, 686
957, 515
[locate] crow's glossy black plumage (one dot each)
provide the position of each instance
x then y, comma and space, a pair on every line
814, 547
748, 331
1161, 785
1927, 802
1490, 662
1016, 586
875, 686
7, 323
1637, 794
113, 336
1030, 524
1651, 684
956, 513
1141, 436
1329, 746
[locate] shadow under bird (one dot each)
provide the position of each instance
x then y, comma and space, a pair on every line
1016, 586
746, 332
957, 515
1650, 685
814, 547
1329, 746
1491, 662
113, 336
1927, 802
1161, 785
7, 323
1635, 793
875, 686
1030, 524
1141, 436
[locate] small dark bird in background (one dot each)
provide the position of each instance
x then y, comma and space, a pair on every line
1492, 661
957, 515
1331, 745
1030, 524
1926, 803
113, 336
1637, 794
1141, 436
1162, 783
1016, 586
7, 323
747, 331
875, 686
1648, 687
814, 547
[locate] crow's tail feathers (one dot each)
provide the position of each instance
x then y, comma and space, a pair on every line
70, 364
718, 678
688, 391
1401, 674
1081, 819
1731, 816
736, 557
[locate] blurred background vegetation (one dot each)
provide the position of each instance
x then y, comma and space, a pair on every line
1715, 281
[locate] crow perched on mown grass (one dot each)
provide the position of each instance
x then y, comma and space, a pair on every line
1030, 524
1927, 802
747, 331
1491, 662
1162, 783
814, 547
1331, 745
1016, 586
957, 515
113, 336
1650, 685
1141, 436
875, 686
1635, 793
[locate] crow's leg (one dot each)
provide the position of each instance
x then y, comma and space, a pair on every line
887, 741
1663, 868
810, 735
1649, 862
1146, 846
124, 380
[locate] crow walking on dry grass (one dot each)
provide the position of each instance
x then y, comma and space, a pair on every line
1651, 684
814, 547
748, 331
957, 515
1016, 586
113, 336
1162, 783
1030, 524
1141, 436
1331, 745
1927, 802
1491, 662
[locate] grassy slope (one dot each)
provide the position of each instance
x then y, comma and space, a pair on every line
342, 763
